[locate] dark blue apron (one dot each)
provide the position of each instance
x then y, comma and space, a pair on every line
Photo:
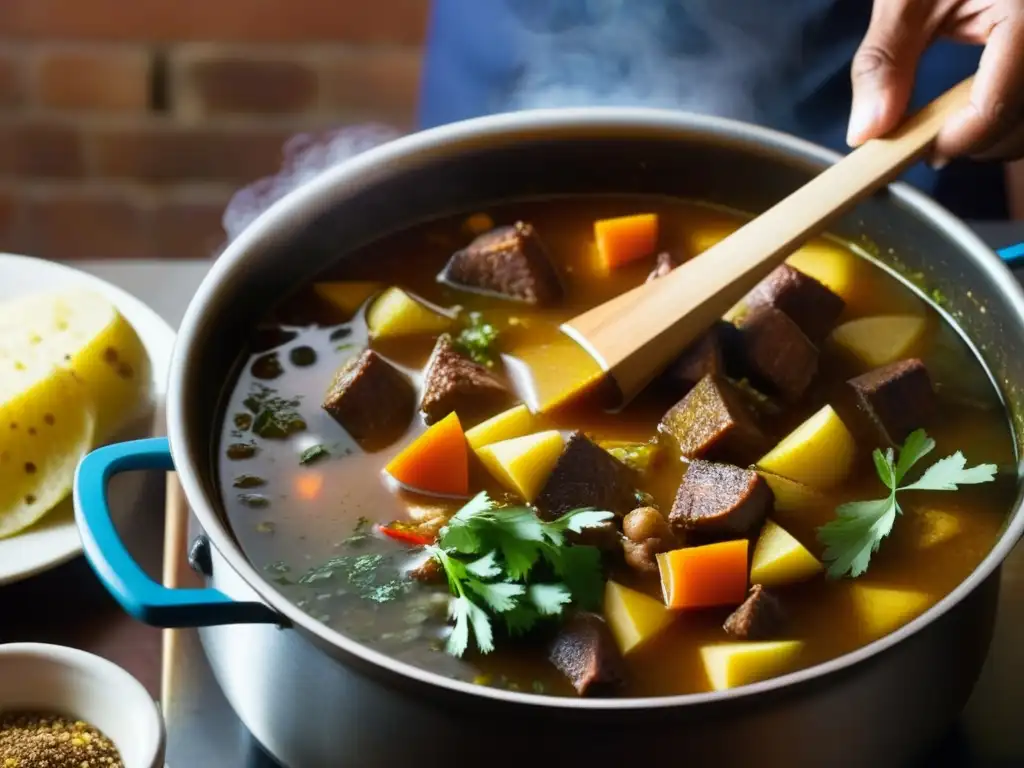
784, 64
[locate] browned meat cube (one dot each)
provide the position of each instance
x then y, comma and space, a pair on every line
813, 307
507, 261
586, 475
429, 571
585, 652
760, 617
720, 500
664, 264
371, 399
714, 420
780, 357
898, 398
452, 382
715, 352
646, 533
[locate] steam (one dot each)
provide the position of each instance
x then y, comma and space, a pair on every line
306, 156
729, 58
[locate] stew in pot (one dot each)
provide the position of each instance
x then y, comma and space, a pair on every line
820, 467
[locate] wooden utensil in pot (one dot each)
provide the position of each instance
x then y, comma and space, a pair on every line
635, 335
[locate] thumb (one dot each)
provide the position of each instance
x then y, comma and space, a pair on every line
884, 66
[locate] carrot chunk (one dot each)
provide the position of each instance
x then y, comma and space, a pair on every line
626, 238
701, 577
435, 462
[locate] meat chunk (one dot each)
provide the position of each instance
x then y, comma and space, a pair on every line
813, 307
778, 354
507, 261
585, 652
586, 475
898, 398
715, 352
646, 533
664, 263
371, 399
760, 617
456, 383
427, 572
714, 420
720, 500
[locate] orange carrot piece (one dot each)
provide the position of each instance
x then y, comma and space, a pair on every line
626, 238
435, 462
701, 577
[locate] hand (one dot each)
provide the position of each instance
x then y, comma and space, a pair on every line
992, 127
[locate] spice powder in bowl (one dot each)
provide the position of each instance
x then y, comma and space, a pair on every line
39, 740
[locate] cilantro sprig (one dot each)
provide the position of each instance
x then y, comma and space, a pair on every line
491, 557
860, 526
479, 340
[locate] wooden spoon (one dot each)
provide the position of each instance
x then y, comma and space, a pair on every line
638, 333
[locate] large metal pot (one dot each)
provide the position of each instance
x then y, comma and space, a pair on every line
314, 698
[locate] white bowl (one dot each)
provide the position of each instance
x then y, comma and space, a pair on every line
52, 678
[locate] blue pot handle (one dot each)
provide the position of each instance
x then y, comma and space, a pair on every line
138, 594
1013, 255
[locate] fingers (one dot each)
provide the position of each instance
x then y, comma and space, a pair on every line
991, 126
884, 66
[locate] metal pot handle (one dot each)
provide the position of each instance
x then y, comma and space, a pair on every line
139, 595
1013, 255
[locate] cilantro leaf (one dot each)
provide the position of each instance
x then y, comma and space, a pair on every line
949, 473
488, 554
860, 526
549, 599
478, 340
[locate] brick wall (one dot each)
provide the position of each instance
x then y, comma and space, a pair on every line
125, 125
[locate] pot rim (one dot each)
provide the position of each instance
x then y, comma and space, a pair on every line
410, 150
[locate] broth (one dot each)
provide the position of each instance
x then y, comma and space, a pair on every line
309, 525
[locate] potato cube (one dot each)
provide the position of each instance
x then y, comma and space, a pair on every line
882, 339
523, 464
346, 296
730, 665
780, 559
881, 610
395, 313
515, 422
819, 453
633, 617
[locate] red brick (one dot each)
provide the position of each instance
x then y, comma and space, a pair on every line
397, 21
101, 78
373, 83
210, 81
88, 224
12, 82
165, 152
189, 229
40, 149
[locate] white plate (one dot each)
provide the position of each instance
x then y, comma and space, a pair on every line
54, 539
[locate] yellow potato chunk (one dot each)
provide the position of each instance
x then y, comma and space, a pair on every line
45, 430
780, 559
882, 339
791, 496
881, 610
934, 527
819, 453
515, 422
633, 617
346, 296
730, 665
828, 263
395, 313
523, 464
82, 331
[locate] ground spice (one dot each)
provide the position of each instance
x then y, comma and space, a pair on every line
34, 740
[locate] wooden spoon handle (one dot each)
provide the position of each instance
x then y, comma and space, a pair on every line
639, 332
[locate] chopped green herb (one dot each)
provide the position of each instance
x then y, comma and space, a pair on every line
857, 532
489, 554
265, 527
302, 356
279, 571
372, 576
254, 500
248, 481
478, 340
313, 453
343, 347
277, 425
